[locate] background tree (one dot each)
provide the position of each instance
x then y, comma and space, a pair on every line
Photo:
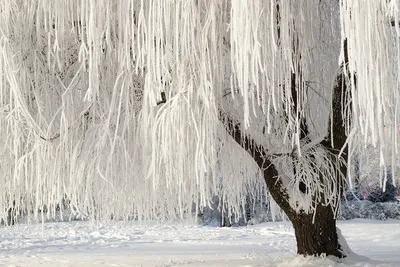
149, 109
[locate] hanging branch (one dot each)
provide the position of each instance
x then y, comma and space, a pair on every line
85, 114
163, 99
260, 156
53, 137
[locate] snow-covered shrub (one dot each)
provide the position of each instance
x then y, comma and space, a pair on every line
255, 213
376, 194
369, 210
353, 194
392, 210
370, 189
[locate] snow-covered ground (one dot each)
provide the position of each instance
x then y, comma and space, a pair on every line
180, 244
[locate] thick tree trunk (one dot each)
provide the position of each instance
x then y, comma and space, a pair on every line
317, 235
316, 232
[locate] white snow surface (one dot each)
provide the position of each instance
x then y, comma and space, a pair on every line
185, 244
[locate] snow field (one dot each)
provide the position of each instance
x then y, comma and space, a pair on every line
185, 244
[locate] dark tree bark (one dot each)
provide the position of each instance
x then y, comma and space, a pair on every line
317, 235
10, 216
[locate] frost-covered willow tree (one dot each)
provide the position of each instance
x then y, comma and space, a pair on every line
150, 109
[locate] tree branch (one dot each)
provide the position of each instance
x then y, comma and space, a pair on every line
163, 99
337, 136
259, 154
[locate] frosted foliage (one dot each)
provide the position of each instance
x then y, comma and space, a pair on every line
372, 30
113, 108
263, 59
234, 193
